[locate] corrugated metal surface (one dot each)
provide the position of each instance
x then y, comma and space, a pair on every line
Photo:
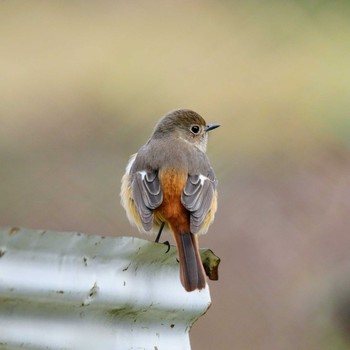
76, 291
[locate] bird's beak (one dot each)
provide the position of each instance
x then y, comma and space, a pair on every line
211, 127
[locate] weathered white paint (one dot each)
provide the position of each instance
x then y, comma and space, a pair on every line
77, 291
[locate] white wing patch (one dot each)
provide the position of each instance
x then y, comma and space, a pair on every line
197, 198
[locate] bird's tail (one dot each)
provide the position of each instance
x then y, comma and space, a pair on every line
191, 268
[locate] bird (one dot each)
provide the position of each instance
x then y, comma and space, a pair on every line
170, 182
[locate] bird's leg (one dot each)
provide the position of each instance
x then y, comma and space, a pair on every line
160, 232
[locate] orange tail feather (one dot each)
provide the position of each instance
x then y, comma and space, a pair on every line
191, 268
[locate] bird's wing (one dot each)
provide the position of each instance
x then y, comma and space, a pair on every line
148, 195
197, 198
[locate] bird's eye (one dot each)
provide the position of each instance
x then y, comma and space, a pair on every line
195, 129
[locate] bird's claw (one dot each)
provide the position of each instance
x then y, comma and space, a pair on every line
167, 244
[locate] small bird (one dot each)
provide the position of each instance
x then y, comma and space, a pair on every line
169, 182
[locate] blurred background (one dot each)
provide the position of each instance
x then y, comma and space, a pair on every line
82, 85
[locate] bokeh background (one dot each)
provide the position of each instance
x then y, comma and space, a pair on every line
82, 85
